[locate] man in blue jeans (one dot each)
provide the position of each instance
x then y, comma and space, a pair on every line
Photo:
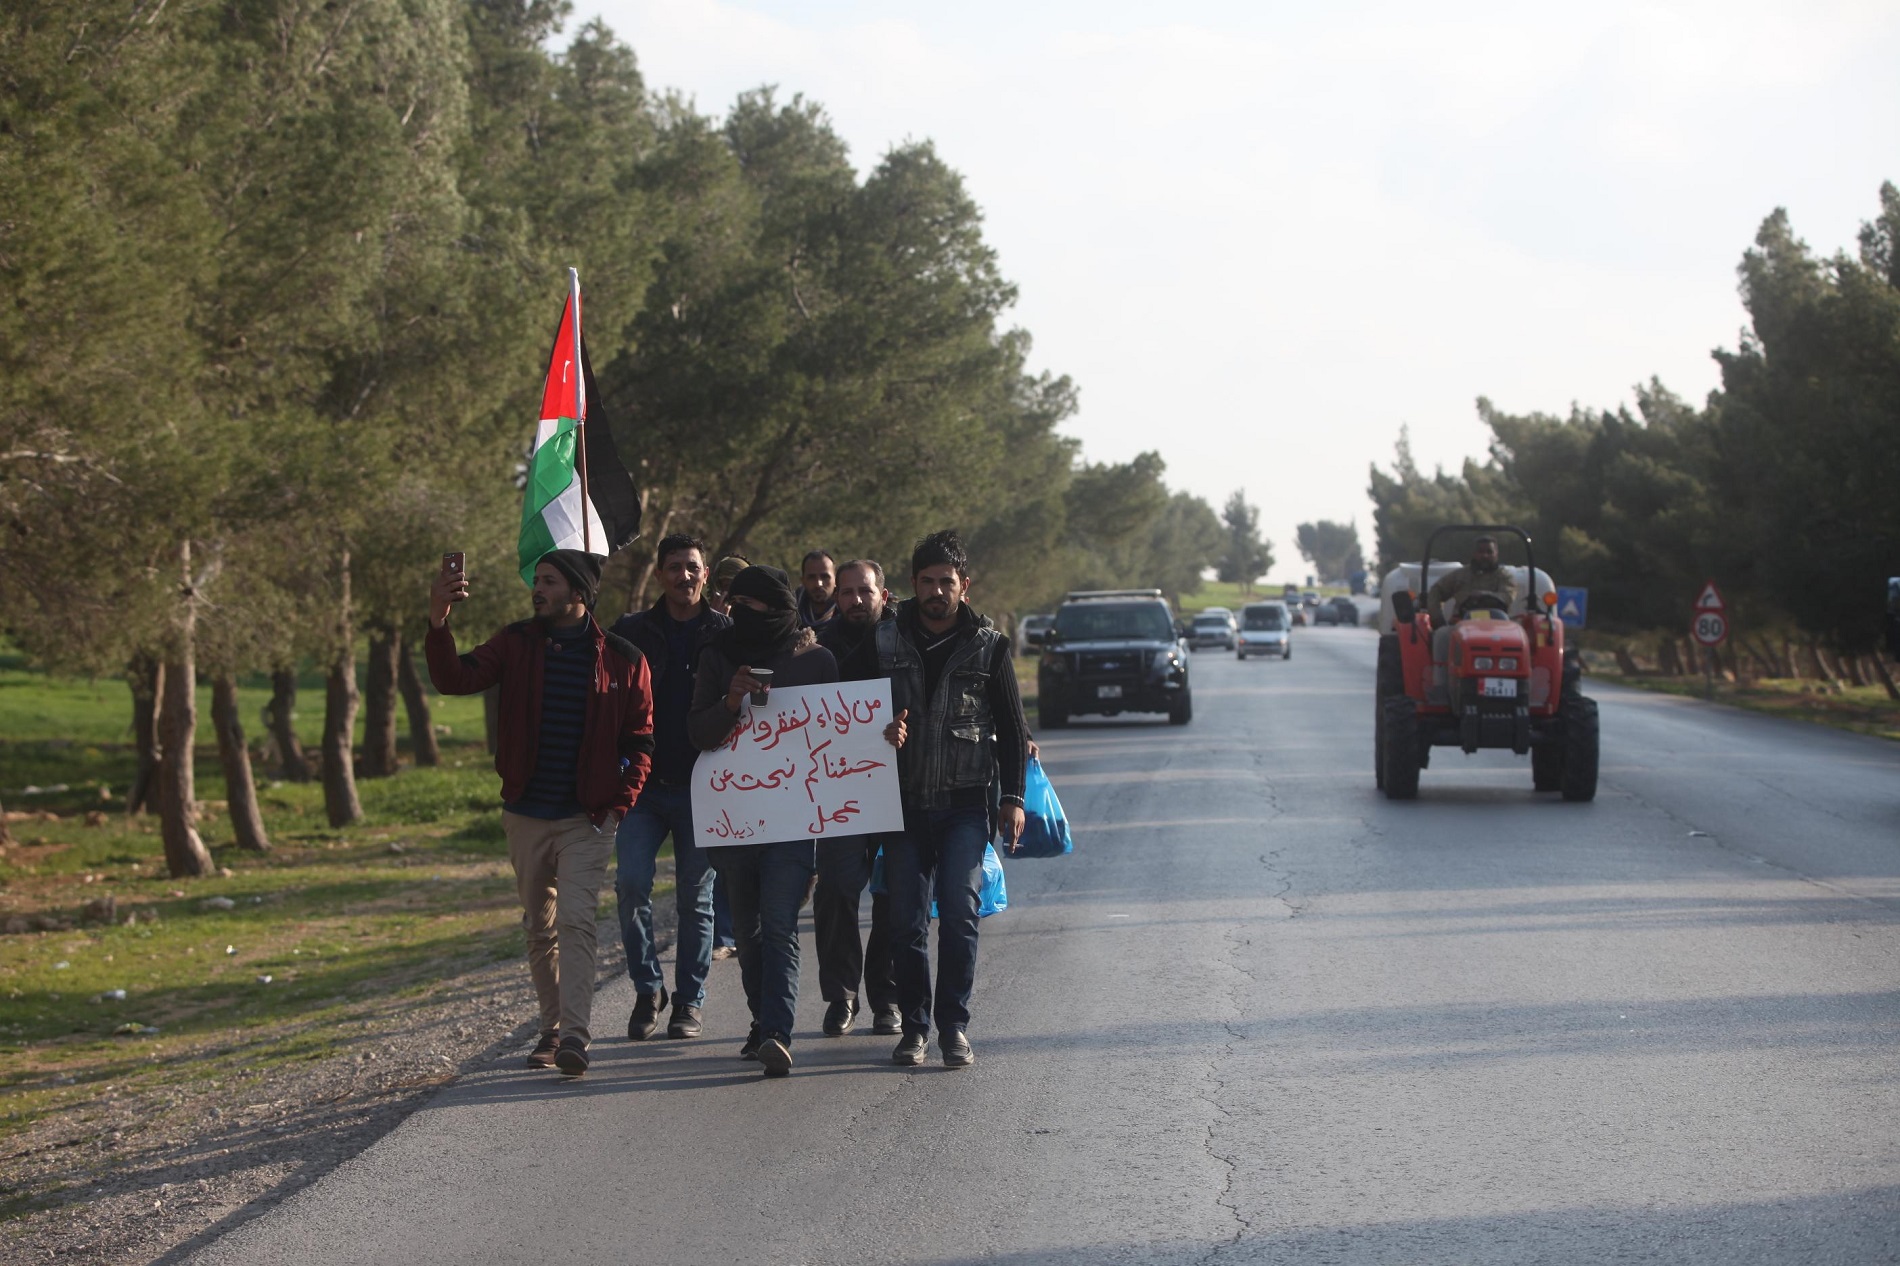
953, 686
669, 634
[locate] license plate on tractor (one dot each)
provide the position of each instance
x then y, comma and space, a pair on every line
1108, 692
1499, 688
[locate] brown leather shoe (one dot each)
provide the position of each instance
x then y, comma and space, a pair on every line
543, 1054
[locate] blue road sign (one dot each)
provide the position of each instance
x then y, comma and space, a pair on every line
1573, 607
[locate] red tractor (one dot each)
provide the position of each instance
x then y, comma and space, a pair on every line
1491, 674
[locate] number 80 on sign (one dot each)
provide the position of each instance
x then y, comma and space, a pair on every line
1710, 628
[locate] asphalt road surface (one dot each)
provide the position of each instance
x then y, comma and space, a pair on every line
1264, 1015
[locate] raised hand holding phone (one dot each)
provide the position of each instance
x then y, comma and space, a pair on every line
450, 587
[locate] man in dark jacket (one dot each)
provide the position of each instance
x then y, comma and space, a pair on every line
669, 634
767, 882
574, 743
844, 865
953, 690
817, 599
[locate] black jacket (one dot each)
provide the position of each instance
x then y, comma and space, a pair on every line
845, 641
950, 760
673, 752
648, 635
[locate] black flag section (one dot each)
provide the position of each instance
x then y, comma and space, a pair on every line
609, 486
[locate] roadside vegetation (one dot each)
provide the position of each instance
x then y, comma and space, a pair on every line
116, 978
1864, 708
1779, 487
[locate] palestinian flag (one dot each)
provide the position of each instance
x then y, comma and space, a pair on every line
556, 513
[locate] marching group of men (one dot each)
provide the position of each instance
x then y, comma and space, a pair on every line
600, 730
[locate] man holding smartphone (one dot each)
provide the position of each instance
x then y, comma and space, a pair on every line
575, 741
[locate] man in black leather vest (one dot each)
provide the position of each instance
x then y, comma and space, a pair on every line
953, 691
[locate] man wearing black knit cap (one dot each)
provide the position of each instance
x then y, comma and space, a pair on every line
575, 742
767, 882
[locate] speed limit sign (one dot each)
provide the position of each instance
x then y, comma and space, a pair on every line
1710, 628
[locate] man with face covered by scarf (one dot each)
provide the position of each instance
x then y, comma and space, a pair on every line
1480, 576
766, 882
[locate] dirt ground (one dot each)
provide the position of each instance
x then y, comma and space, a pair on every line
153, 1177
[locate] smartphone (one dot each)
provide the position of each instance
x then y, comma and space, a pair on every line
454, 564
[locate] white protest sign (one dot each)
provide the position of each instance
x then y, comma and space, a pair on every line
811, 764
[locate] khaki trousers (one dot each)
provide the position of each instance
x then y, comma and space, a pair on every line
560, 864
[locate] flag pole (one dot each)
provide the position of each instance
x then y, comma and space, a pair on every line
580, 410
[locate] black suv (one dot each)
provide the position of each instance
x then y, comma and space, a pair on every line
1110, 652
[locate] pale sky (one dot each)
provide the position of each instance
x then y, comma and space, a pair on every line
1263, 236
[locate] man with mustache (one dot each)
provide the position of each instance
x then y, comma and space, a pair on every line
817, 600
670, 635
1467, 586
566, 781
958, 726
844, 865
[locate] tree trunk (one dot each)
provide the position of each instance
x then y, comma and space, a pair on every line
637, 595
185, 852
147, 678
1764, 654
1856, 675
280, 715
422, 744
491, 717
1792, 660
1822, 668
379, 704
339, 716
6, 832
1626, 662
1886, 678
240, 788
1668, 661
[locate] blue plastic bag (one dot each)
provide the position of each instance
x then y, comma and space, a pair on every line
991, 897
994, 894
1045, 829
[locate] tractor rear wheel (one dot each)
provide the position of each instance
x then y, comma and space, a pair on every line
1398, 756
1378, 743
1388, 681
1579, 781
1391, 670
1547, 767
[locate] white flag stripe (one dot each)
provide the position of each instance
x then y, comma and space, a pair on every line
563, 517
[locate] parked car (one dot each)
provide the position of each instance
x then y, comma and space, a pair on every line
1266, 628
1034, 628
1112, 651
1213, 628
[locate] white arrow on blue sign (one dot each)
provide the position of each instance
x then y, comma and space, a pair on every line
1573, 607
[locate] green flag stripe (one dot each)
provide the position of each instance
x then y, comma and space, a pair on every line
550, 472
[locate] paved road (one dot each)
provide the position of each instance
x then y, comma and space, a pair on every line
1263, 1015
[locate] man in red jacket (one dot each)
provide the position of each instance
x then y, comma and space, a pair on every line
575, 741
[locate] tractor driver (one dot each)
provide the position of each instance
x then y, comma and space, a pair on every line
1480, 585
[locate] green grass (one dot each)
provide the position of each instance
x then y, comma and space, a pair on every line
342, 921
1217, 593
